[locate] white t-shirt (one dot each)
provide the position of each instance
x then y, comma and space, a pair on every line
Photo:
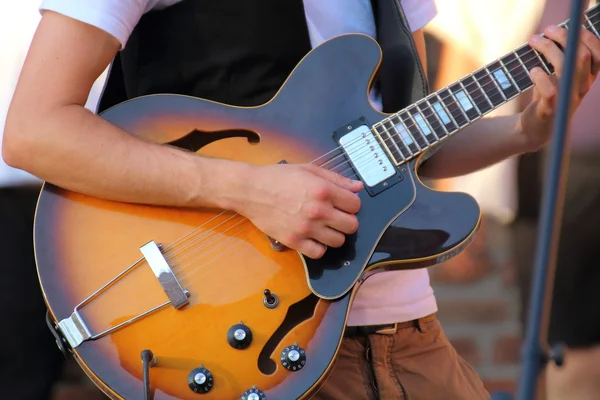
386, 297
16, 32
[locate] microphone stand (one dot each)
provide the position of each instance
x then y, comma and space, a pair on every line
534, 354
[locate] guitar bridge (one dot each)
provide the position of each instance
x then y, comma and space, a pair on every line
164, 274
74, 328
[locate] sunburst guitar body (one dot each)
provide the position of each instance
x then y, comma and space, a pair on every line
224, 311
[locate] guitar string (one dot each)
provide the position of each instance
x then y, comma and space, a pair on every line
406, 125
171, 247
492, 83
223, 248
425, 143
515, 78
338, 165
180, 257
205, 238
467, 93
458, 109
205, 267
187, 278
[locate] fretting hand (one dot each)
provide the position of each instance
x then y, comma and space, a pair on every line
536, 120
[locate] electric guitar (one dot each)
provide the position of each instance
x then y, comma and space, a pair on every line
190, 304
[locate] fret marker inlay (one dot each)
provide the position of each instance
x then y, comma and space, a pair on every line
422, 124
502, 79
441, 113
464, 101
404, 134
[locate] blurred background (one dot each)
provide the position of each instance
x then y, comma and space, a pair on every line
482, 293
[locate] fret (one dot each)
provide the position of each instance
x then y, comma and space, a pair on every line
509, 73
434, 120
503, 80
402, 120
591, 25
545, 64
412, 129
530, 58
477, 94
443, 111
426, 128
422, 126
527, 57
401, 136
389, 143
466, 102
518, 71
495, 83
455, 109
595, 20
397, 139
489, 87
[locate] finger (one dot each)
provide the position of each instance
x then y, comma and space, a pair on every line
345, 200
550, 50
312, 249
336, 178
584, 65
558, 35
329, 237
592, 42
546, 91
342, 222
584, 56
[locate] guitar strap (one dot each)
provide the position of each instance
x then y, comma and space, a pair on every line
401, 79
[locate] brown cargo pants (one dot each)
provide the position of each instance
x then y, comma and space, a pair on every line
416, 362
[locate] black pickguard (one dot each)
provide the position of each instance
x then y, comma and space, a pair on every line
335, 273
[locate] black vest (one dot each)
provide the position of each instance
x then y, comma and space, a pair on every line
240, 52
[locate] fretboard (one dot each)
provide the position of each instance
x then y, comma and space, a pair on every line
418, 127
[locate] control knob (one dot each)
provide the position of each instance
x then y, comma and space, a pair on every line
239, 336
200, 380
293, 358
253, 394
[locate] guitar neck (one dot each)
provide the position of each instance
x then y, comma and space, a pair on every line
417, 128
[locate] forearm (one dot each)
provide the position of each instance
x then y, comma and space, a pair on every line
478, 146
74, 149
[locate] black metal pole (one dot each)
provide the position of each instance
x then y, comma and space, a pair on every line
535, 353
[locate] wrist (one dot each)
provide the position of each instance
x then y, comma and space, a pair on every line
523, 141
223, 184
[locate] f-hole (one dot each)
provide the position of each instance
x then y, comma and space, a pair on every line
196, 139
297, 313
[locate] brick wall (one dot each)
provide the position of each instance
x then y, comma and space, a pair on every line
478, 302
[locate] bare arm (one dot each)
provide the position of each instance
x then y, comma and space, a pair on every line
478, 146
493, 139
50, 134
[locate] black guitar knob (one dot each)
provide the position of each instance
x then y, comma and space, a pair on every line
253, 394
239, 336
200, 380
293, 358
